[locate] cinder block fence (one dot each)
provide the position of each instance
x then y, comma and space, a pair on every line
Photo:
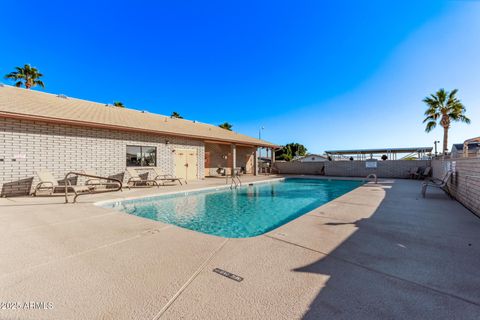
384, 169
464, 184
297, 167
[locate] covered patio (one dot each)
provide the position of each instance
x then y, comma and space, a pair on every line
222, 158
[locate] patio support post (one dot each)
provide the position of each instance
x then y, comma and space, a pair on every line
255, 162
234, 158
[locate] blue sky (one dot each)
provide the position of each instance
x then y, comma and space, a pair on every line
329, 75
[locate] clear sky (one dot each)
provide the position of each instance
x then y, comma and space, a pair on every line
328, 74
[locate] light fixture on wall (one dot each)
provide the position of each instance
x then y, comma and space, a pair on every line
224, 157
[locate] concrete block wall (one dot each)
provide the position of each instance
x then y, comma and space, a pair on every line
297, 167
464, 184
385, 169
27, 146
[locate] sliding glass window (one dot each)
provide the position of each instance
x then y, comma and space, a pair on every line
141, 156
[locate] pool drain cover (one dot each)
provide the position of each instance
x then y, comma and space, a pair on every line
228, 274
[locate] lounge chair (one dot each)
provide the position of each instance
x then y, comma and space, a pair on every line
413, 171
96, 182
92, 181
49, 183
135, 179
159, 176
423, 174
437, 183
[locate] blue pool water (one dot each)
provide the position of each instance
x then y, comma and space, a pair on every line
239, 213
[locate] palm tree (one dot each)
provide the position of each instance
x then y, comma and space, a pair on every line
446, 107
118, 104
176, 115
27, 76
226, 126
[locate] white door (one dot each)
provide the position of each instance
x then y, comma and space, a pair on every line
186, 164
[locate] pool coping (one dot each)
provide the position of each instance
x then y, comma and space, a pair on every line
116, 202
101, 203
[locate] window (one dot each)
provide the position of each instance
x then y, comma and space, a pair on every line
140, 156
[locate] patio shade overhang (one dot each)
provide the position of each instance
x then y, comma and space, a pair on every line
381, 150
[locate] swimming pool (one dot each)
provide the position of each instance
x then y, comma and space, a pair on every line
245, 212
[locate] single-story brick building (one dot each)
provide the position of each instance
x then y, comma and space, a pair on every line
42, 131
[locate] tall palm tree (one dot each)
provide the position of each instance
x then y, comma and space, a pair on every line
446, 107
118, 104
176, 115
226, 126
26, 76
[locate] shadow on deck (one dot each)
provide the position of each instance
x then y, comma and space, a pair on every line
414, 258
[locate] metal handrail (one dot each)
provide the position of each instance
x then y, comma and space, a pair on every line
67, 184
239, 181
235, 181
233, 175
372, 175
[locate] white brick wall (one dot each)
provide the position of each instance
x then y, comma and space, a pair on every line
63, 148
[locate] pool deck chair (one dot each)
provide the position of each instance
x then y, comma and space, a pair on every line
413, 171
97, 182
423, 174
159, 176
92, 181
135, 180
436, 183
49, 183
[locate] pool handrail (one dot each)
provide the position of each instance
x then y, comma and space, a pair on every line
77, 194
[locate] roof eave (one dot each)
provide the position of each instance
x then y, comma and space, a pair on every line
77, 123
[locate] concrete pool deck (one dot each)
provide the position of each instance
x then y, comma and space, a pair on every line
378, 252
